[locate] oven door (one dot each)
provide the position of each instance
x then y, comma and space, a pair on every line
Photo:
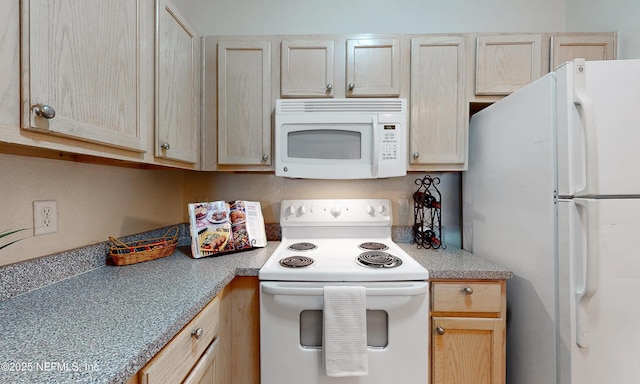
291, 333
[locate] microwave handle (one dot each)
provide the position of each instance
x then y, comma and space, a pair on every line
376, 146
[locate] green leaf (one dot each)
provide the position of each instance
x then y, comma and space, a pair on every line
8, 244
11, 232
7, 233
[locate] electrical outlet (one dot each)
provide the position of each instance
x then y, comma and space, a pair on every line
403, 204
45, 217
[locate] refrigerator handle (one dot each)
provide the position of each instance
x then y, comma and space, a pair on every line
586, 111
590, 272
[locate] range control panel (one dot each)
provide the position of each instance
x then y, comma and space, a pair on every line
343, 212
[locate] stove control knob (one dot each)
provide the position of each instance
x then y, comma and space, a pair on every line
335, 211
303, 210
381, 209
370, 210
291, 210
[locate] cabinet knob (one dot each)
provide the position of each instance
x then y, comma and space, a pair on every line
351, 86
197, 333
467, 290
165, 146
45, 111
416, 155
265, 157
329, 87
440, 330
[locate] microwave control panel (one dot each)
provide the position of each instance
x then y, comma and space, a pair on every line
389, 147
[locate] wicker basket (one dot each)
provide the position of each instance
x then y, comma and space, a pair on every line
143, 250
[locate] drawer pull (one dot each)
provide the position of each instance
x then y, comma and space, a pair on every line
440, 330
467, 290
197, 333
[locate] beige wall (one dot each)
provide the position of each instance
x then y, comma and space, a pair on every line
608, 15
94, 202
270, 190
257, 17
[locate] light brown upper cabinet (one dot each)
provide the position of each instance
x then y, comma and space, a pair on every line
439, 108
335, 66
177, 101
589, 46
506, 63
244, 102
9, 68
83, 70
373, 67
307, 68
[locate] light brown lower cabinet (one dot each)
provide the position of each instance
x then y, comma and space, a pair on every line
219, 345
468, 332
190, 354
205, 370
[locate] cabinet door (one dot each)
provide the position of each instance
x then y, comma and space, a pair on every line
10, 65
307, 68
373, 67
244, 102
467, 350
506, 63
83, 60
589, 46
439, 113
176, 86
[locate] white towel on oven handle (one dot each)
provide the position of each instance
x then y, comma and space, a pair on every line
345, 331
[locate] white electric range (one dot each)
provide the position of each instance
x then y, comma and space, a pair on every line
343, 242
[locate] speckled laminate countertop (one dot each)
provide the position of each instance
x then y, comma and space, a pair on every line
102, 326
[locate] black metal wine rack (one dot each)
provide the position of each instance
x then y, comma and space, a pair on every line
427, 204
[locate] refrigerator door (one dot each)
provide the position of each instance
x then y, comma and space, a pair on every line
598, 131
509, 217
599, 274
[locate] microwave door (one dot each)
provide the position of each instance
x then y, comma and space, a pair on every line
328, 147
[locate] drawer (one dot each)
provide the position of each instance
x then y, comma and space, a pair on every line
176, 359
466, 297
205, 369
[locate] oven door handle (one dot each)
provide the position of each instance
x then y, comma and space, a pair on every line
402, 290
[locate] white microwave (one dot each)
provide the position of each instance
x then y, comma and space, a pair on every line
351, 138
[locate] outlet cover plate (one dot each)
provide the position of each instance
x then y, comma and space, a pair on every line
403, 205
45, 217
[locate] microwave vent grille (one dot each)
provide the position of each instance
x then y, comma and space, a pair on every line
340, 105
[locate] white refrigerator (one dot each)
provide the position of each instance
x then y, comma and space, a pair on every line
553, 193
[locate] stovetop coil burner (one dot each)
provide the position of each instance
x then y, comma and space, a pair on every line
377, 259
373, 246
296, 262
303, 246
